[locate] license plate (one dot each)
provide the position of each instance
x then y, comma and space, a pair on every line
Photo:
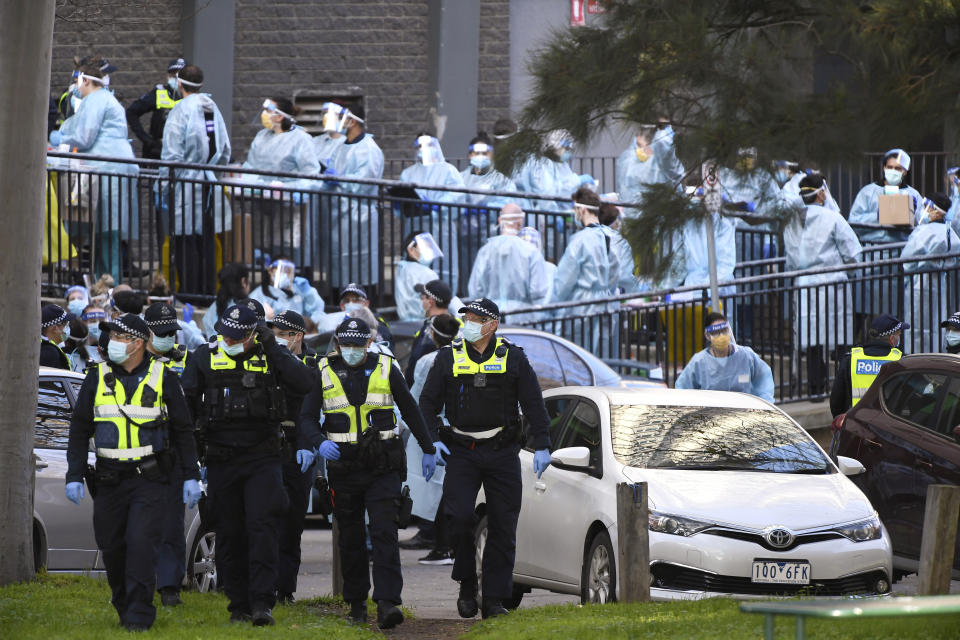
781, 572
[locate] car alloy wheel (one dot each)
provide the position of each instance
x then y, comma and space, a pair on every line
203, 563
599, 578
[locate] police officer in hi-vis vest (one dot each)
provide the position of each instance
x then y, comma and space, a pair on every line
235, 385
161, 319
480, 381
857, 370
355, 394
158, 102
134, 409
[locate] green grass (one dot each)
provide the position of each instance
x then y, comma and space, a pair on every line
56, 606
718, 618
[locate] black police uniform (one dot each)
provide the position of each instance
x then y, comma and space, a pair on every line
476, 404
367, 477
51, 355
128, 505
297, 485
173, 544
841, 395
422, 345
158, 102
239, 411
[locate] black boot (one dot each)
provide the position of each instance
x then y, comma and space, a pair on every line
467, 600
358, 612
170, 597
388, 615
493, 607
262, 617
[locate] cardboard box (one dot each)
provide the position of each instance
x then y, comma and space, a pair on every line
240, 239
896, 209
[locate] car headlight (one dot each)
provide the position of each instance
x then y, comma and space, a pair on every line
869, 529
675, 525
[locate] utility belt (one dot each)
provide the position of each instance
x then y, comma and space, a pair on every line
224, 453
496, 437
155, 468
251, 399
377, 451
330, 500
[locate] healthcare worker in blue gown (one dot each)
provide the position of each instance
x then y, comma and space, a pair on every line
432, 170
650, 159
481, 217
99, 127
925, 293
588, 270
419, 252
725, 365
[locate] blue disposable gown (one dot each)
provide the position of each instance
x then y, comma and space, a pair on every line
925, 294
326, 147
290, 152
410, 274
742, 371
355, 226
695, 257
425, 494
627, 282
589, 270
662, 166
820, 239
792, 188
759, 187
442, 220
512, 273
99, 127
185, 140
540, 175
953, 214
308, 305
492, 180
866, 209
190, 335
211, 316
479, 221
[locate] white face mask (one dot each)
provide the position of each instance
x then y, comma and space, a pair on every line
352, 355
163, 344
892, 176
353, 306
472, 331
283, 342
952, 338
233, 349
117, 351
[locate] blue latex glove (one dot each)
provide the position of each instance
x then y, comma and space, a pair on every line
329, 450
330, 171
428, 466
302, 284
74, 492
55, 138
441, 448
750, 207
305, 458
187, 312
541, 460
191, 493
203, 474
586, 178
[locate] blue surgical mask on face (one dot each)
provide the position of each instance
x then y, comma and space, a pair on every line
94, 330
480, 161
352, 355
566, 155
172, 83
232, 349
283, 342
472, 331
284, 281
353, 306
952, 338
76, 93
66, 331
117, 351
424, 261
783, 176
76, 306
892, 176
163, 344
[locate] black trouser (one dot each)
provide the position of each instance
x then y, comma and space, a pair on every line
498, 471
249, 500
354, 492
297, 486
194, 257
173, 545
126, 523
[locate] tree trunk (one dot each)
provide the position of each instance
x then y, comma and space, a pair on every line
26, 39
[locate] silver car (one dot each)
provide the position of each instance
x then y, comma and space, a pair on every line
63, 539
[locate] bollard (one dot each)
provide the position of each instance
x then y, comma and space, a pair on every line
335, 569
633, 542
939, 538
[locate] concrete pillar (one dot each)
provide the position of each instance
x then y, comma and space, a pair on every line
454, 67
208, 38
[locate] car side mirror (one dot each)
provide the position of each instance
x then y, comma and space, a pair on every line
849, 466
576, 457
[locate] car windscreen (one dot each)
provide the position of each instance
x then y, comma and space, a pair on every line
713, 438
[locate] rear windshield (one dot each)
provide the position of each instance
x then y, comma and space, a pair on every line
713, 438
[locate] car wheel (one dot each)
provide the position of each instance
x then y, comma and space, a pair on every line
598, 581
479, 542
203, 562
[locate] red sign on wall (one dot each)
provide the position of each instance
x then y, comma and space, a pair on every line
594, 7
577, 18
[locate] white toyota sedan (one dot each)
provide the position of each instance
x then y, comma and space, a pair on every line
742, 500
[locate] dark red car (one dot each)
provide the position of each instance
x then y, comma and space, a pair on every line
906, 432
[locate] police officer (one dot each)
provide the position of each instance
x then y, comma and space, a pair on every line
161, 319
479, 381
158, 101
288, 328
356, 394
134, 409
435, 297
234, 384
857, 370
54, 329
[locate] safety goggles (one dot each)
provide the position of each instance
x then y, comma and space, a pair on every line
270, 107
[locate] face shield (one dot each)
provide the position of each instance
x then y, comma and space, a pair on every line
270, 108
336, 117
719, 337
428, 247
560, 143
428, 151
930, 212
480, 155
953, 180
746, 158
283, 273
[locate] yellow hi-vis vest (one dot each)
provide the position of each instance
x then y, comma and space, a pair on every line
178, 365
164, 101
864, 370
220, 361
464, 366
335, 401
119, 421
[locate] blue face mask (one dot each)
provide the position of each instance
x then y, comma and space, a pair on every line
94, 330
163, 344
352, 355
232, 349
566, 155
172, 83
783, 176
283, 282
480, 161
283, 342
472, 331
892, 176
66, 331
424, 261
76, 306
117, 351
353, 306
76, 93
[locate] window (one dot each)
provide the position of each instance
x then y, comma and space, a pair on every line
52, 428
556, 411
583, 430
575, 370
950, 411
914, 397
542, 358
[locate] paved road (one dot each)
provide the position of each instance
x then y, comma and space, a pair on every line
428, 590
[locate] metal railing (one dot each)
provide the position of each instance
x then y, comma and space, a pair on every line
801, 322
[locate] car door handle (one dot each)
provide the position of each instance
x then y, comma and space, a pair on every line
540, 487
41, 464
873, 443
928, 465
